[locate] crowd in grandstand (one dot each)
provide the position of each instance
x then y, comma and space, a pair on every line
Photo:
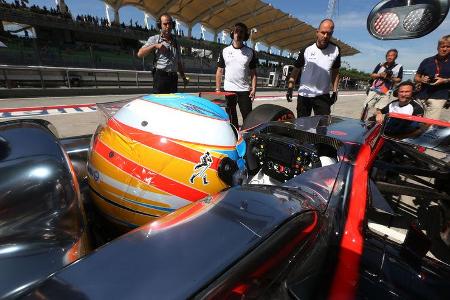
22, 50
81, 19
34, 8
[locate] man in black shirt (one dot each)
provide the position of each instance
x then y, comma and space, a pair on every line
433, 75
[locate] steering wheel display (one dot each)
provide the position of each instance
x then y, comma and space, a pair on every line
282, 158
282, 153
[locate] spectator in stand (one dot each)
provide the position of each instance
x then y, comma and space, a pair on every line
433, 76
239, 63
167, 57
385, 76
318, 65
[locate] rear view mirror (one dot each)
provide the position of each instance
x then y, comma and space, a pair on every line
406, 19
417, 131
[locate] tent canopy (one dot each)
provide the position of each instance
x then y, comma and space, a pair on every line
274, 27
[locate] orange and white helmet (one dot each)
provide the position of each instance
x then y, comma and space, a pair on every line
159, 153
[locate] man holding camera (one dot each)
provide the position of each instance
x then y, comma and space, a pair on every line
433, 76
385, 76
167, 61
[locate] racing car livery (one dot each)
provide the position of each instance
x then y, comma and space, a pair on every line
332, 207
321, 207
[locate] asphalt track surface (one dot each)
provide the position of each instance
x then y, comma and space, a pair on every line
80, 119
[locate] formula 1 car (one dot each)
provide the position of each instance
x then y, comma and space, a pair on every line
331, 207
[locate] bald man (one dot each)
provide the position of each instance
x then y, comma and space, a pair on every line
318, 67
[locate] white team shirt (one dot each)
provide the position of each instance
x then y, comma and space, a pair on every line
237, 63
412, 108
316, 65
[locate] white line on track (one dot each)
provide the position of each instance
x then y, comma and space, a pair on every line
46, 112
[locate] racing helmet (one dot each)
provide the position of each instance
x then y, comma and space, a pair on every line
159, 153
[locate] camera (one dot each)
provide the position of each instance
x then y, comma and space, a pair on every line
389, 73
432, 80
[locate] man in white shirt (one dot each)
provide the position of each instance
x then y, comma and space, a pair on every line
318, 66
239, 62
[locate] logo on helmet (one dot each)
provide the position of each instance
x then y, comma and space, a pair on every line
200, 168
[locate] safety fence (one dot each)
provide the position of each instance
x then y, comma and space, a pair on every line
43, 77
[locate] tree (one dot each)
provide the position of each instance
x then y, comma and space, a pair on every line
354, 74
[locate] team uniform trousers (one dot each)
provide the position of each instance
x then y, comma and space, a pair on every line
321, 105
245, 106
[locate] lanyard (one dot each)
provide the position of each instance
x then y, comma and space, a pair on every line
438, 68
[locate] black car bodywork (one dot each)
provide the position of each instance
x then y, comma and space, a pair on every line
314, 232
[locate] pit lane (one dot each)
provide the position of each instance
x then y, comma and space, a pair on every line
73, 122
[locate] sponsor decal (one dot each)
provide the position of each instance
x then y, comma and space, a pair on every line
338, 132
199, 110
200, 168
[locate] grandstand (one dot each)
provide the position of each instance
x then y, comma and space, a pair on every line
55, 28
54, 37
272, 26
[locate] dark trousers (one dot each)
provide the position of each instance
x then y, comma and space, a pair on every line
245, 106
165, 82
320, 104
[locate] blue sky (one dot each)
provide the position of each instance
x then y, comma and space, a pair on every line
350, 19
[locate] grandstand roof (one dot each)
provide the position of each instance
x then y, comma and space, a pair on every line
274, 27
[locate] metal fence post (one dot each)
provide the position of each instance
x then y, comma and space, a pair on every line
95, 79
42, 79
68, 78
7, 85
